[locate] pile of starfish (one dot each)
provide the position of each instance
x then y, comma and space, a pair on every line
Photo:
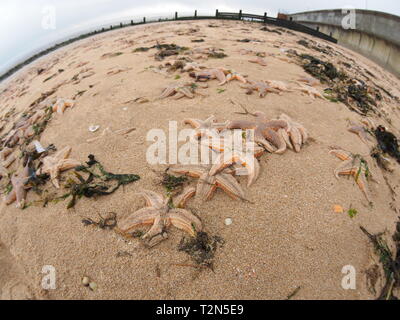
22, 132
270, 135
202, 73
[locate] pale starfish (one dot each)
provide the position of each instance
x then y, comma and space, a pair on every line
56, 163
193, 66
296, 135
244, 156
160, 213
18, 192
62, 104
208, 74
5, 153
235, 76
361, 131
355, 166
178, 90
311, 91
207, 128
265, 131
208, 183
258, 60
260, 86
279, 85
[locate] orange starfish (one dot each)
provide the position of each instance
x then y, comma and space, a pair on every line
62, 104
355, 166
260, 86
209, 74
258, 60
296, 135
178, 91
160, 213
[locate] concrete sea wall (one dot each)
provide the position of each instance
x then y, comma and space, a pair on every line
376, 34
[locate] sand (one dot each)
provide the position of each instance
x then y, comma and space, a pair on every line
288, 236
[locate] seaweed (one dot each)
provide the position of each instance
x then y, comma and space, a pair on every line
387, 142
172, 183
202, 248
217, 55
104, 223
99, 182
391, 266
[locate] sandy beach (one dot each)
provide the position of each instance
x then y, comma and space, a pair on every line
286, 236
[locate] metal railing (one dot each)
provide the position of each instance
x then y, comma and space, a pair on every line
264, 19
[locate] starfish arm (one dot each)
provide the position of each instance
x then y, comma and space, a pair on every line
296, 139
219, 74
167, 92
184, 220
194, 171
276, 140
259, 138
229, 184
11, 197
223, 161
188, 193
193, 122
142, 217
152, 198
241, 124
362, 184
286, 138
66, 164
5, 153
346, 168
206, 187
341, 154
156, 229
63, 153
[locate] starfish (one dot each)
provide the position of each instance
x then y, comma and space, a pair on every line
311, 91
296, 135
18, 192
259, 86
207, 127
62, 104
245, 156
208, 183
193, 66
258, 60
235, 76
265, 131
208, 74
160, 213
278, 85
56, 163
361, 131
178, 91
353, 165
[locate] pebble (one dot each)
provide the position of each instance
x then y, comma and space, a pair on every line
93, 286
85, 281
228, 221
94, 128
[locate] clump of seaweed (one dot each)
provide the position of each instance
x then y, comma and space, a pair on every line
324, 71
202, 248
104, 223
387, 142
391, 266
172, 183
98, 182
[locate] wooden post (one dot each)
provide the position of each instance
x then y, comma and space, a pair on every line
120, 24
216, 13
176, 15
265, 17
131, 22
195, 13
240, 14
144, 19
110, 27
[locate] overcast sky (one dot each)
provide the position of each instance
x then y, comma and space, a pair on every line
24, 27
